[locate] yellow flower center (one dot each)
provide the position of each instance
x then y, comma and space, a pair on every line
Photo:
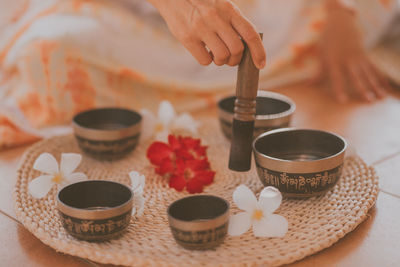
257, 215
159, 127
58, 178
188, 174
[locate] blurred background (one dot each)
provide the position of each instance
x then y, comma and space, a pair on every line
59, 57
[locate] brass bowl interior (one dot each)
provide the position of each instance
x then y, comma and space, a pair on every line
94, 195
107, 119
299, 145
265, 105
198, 208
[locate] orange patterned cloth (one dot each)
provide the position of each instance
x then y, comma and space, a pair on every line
59, 57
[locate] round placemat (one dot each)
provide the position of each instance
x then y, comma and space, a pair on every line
314, 223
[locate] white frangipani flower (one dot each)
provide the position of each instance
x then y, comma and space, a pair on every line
258, 213
166, 122
138, 182
54, 174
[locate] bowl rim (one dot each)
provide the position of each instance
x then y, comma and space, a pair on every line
106, 135
198, 225
86, 214
289, 166
268, 94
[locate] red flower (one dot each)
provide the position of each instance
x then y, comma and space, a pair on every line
183, 161
174, 142
158, 152
187, 147
193, 174
166, 167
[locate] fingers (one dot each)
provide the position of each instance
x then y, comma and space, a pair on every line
338, 83
359, 82
368, 82
232, 42
253, 40
373, 78
217, 26
198, 51
218, 48
382, 78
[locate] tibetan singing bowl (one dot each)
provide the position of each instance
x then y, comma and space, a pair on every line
107, 133
299, 162
273, 111
199, 222
95, 210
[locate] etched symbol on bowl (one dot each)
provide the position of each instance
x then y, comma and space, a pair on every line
199, 222
96, 230
299, 162
95, 210
107, 133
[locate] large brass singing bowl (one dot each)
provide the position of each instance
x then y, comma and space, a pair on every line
299, 162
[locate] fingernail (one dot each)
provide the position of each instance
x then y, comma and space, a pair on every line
261, 65
370, 96
382, 93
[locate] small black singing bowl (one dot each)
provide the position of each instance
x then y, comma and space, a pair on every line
299, 162
95, 210
199, 222
273, 111
107, 133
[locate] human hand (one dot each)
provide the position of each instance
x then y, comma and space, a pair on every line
344, 61
212, 30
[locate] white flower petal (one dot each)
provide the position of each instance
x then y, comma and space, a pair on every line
46, 163
271, 226
185, 122
162, 136
270, 199
40, 186
74, 178
140, 205
140, 211
149, 122
142, 180
133, 211
239, 223
166, 113
69, 162
137, 180
138, 191
244, 198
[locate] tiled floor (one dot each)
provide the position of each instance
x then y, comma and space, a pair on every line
388, 172
373, 131
18, 247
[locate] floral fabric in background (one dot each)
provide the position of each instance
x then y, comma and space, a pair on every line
59, 57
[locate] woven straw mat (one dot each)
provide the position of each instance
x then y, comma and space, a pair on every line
314, 223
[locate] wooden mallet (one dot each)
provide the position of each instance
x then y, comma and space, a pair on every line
245, 113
